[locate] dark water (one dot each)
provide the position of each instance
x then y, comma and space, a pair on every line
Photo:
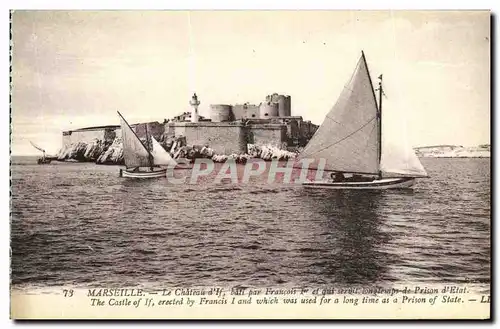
80, 224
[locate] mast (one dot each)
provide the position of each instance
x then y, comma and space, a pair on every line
380, 93
150, 157
379, 112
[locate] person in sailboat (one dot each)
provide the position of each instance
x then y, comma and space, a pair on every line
340, 177
337, 177
361, 178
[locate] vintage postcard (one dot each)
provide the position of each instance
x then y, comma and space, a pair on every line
250, 164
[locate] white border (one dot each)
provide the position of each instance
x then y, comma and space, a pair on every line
255, 4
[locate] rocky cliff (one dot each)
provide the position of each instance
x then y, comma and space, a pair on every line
84, 152
454, 151
106, 152
102, 152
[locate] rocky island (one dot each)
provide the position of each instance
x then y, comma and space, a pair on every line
242, 131
454, 151
111, 153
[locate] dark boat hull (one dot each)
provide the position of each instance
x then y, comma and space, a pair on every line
144, 174
378, 184
43, 161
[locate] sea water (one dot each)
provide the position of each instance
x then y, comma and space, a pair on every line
81, 224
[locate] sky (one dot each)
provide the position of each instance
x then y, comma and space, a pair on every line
75, 69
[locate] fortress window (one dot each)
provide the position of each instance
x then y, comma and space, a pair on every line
266, 114
253, 115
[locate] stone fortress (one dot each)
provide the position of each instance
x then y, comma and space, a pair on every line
228, 130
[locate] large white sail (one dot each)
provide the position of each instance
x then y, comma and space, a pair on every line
160, 156
135, 153
398, 157
348, 138
401, 160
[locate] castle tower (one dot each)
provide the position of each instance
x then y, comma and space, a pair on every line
194, 103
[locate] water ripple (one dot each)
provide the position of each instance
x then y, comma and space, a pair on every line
82, 224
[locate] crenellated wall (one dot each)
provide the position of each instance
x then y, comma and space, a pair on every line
284, 103
221, 113
222, 137
86, 136
274, 134
109, 133
274, 106
268, 110
154, 129
243, 111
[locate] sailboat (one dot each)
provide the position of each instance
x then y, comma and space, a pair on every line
43, 159
140, 160
349, 142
